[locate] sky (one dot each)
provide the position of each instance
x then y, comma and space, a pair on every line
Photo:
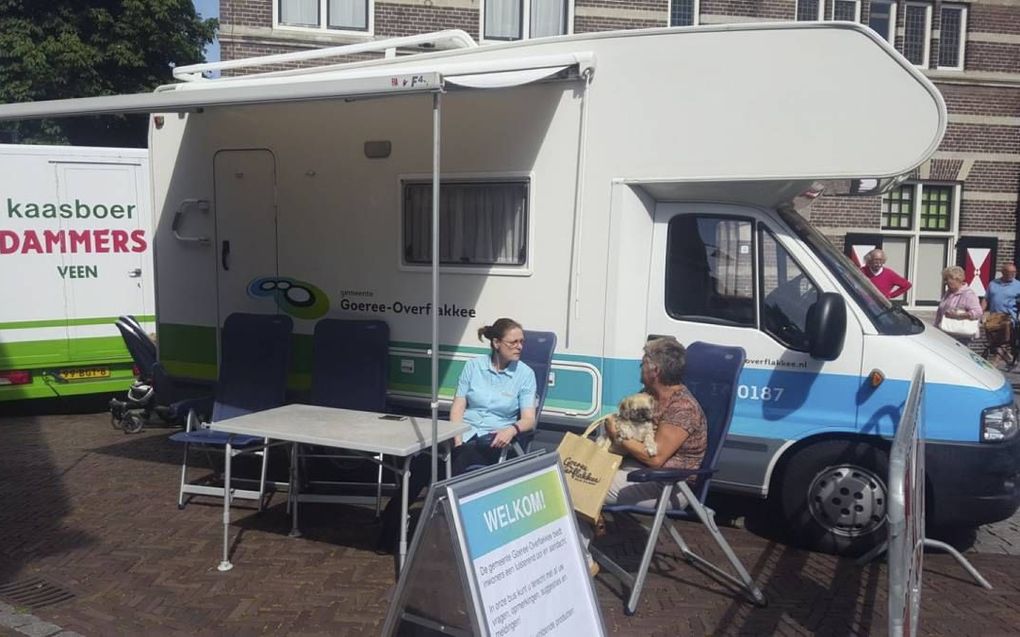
210, 9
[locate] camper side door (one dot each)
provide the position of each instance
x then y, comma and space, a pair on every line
728, 275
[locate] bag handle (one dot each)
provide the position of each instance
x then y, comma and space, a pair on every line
594, 425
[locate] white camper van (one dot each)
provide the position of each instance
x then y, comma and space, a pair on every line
75, 226
606, 187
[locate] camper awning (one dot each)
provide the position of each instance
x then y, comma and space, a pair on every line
389, 78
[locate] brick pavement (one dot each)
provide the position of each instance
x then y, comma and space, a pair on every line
92, 510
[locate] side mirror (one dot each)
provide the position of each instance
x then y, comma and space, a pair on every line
826, 326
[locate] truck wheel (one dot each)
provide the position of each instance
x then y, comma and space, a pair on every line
834, 496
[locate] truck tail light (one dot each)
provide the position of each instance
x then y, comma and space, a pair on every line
16, 377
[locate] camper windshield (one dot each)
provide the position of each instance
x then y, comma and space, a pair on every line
887, 317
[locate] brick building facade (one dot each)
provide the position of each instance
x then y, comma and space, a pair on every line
961, 206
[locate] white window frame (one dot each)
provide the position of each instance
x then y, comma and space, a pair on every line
890, 37
526, 269
525, 21
324, 21
915, 234
821, 10
697, 15
927, 31
962, 8
857, 10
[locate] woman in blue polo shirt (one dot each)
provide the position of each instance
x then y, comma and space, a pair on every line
496, 397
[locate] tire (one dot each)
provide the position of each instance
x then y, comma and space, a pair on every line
133, 423
834, 496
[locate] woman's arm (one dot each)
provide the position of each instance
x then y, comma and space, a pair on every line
972, 304
505, 436
668, 439
457, 415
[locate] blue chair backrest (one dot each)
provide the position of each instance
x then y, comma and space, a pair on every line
141, 348
712, 374
254, 362
537, 354
350, 364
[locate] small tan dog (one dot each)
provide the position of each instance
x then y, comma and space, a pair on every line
633, 420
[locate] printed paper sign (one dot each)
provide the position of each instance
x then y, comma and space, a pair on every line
523, 547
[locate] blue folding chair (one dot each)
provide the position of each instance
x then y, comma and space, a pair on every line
712, 374
254, 362
350, 370
537, 354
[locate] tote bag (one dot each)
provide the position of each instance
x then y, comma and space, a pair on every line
589, 470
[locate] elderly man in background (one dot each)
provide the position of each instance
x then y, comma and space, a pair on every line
886, 280
1001, 318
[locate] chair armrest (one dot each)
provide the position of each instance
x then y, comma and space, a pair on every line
203, 406
666, 475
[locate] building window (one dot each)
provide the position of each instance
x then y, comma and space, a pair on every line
334, 15
919, 226
683, 13
808, 10
846, 10
917, 33
952, 34
522, 19
882, 19
481, 223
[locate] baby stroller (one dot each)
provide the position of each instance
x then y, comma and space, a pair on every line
133, 412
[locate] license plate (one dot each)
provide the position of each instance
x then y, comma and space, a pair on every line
85, 373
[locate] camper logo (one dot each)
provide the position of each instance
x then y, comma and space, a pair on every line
300, 299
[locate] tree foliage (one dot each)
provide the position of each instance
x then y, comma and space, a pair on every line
55, 49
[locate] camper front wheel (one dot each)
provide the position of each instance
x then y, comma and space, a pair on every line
834, 496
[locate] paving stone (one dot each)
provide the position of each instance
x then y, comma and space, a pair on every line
93, 511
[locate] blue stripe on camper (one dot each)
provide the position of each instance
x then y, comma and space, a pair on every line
811, 403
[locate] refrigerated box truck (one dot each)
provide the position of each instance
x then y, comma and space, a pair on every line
76, 253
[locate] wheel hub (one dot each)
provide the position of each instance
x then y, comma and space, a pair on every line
848, 500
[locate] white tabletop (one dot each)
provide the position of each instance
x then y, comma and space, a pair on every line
342, 428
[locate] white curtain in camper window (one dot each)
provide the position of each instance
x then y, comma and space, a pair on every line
348, 14
480, 224
503, 19
548, 17
299, 12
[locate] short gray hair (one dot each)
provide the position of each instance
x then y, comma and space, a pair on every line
669, 356
954, 272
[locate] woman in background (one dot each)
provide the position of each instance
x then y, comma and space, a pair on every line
958, 300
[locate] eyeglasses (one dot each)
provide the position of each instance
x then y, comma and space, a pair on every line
517, 343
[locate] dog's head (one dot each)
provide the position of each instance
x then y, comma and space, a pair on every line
637, 407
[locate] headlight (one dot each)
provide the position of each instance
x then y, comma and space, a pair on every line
998, 423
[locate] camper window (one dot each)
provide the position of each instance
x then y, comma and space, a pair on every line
481, 223
709, 270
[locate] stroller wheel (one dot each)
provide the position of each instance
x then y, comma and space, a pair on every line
133, 423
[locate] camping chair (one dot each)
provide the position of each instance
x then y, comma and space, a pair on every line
537, 354
254, 362
350, 371
712, 375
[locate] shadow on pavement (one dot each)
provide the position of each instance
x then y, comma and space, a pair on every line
33, 481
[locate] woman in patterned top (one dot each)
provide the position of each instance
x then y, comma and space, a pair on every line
681, 432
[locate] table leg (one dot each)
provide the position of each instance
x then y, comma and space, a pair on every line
449, 459
293, 491
403, 510
225, 564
